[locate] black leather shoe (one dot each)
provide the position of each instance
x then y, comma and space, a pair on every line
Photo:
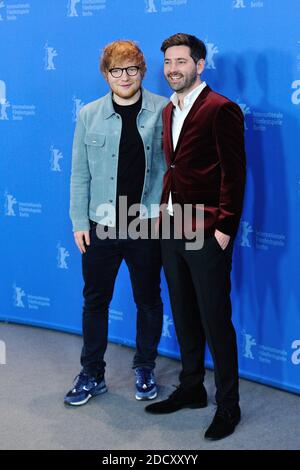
181, 398
224, 423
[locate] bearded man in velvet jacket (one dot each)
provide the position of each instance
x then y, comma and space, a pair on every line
204, 148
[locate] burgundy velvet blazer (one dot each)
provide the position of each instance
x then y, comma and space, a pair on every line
208, 166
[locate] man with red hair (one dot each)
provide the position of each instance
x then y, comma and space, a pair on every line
117, 156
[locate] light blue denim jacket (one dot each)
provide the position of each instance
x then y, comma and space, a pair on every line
95, 158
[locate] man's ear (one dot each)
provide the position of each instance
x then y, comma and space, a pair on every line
200, 66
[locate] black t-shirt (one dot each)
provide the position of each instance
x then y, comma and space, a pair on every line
131, 165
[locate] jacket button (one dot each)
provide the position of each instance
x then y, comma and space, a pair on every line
113, 155
148, 147
111, 177
148, 170
110, 200
172, 166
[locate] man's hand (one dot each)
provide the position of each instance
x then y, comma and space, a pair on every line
222, 239
82, 238
156, 225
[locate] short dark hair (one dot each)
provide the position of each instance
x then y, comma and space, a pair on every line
197, 47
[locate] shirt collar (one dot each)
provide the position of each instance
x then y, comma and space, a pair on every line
190, 98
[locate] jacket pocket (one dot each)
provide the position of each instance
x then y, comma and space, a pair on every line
95, 140
95, 145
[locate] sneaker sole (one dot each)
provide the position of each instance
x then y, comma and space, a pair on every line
83, 402
145, 398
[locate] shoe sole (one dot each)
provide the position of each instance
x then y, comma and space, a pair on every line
222, 437
141, 398
83, 402
212, 439
196, 405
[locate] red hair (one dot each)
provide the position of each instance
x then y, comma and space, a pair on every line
120, 51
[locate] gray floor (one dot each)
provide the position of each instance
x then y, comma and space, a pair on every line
41, 365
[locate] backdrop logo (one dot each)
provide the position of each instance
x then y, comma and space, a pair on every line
163, 6
295, 98
248, 343
18, 296
10, 202
211, 51
61, 257
77, 105
33, 301
296, 354
2, 353
76, 8
239, 4
4, 104
245, 110
18, 111
2, 92
56, 155
72, 11
3, 113
115, 315
262, 240
150, 6
13, 11
268, 354
2, 6
267, 240
263, 120
50, 53
244, 3
25, 209
166, 326
245, 230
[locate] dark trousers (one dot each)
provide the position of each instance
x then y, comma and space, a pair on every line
100, 265
199, 287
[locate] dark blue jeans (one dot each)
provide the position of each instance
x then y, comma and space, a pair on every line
100, 265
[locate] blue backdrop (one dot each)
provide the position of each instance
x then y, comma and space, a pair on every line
49, 52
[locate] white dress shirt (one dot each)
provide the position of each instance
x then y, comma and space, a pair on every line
178, 118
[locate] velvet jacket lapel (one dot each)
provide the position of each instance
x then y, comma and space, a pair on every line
167, 120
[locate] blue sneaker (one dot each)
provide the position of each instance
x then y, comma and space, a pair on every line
84, 388
145, 384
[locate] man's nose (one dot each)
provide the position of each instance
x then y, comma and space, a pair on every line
172, 68
125, 77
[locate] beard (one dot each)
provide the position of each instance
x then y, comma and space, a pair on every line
185, 82
126, 93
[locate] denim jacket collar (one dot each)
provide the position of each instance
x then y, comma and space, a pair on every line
147, 103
